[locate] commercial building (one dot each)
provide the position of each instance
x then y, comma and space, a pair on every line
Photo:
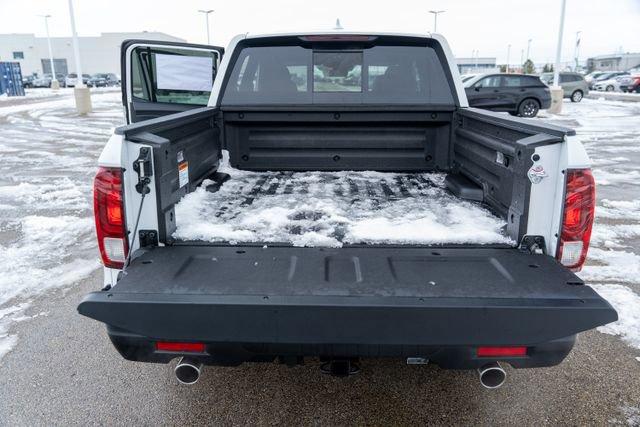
100, 54
614, 62
477, 65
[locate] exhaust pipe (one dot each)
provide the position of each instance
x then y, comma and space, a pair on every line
492, 375
188, 370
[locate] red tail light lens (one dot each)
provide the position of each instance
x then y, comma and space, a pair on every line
577, 219
180, 347
108, 209
518, 351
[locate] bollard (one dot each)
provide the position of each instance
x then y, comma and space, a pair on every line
83, 99
556, 100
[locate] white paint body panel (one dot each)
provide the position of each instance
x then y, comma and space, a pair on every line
547, 197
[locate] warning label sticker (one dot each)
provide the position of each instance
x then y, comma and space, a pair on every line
183, 174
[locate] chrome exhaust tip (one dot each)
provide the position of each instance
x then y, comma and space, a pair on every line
492, 375
188, 371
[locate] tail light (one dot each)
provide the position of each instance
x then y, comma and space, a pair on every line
180, 347
518, 351
577, 219
108, 208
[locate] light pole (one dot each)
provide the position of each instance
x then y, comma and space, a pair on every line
556, 90
528, 48
80, 91
521, 59
435, 18
55, 85
508, 54
577, 54
477, 54
206, 15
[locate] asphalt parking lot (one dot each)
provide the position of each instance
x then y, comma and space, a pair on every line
60, 368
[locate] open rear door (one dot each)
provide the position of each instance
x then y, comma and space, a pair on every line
161, 78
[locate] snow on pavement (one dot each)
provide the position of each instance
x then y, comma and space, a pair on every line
610, 132
49, 157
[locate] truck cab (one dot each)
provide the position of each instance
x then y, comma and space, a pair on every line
333, 196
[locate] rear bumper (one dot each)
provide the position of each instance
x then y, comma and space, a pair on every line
256, 303
141, 349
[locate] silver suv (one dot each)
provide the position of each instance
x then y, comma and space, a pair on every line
573, 85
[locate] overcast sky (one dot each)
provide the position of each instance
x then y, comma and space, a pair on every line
487, 25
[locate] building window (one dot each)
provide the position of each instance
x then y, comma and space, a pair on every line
18, 55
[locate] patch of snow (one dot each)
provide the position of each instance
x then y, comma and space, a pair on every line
611, 265
616, 176
627, 304
632, 415
334, 208
8, 315
618, 209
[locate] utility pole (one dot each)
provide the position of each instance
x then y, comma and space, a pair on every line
206, 14
556, 90
55, 84
435, 18
577, 52
80, 91
508, 54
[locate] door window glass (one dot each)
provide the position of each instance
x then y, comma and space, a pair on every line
512, 81
491, 81
176, 76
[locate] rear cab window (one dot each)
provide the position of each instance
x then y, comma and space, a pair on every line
299, 73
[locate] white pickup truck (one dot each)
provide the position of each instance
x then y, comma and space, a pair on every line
332, 196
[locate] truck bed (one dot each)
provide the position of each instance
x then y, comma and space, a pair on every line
331, 209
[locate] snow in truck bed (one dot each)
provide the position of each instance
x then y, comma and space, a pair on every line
333, 208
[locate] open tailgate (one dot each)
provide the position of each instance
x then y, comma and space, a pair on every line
350, 295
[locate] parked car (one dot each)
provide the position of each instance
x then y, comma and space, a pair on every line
612, 84
573, 85
72, 79
45, 80
589, 78
103, 80
631, 84
467, 77
606, 76
27, 81
518, 94
223, 296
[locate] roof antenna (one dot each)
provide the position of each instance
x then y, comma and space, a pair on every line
338, 26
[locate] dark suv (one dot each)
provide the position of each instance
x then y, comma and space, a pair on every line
518, 94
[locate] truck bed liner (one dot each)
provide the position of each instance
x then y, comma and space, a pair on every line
350, 295
334, 208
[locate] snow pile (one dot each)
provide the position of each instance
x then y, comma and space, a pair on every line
627, 304
332, 209
47, 238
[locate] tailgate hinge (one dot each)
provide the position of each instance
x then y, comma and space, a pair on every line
534, 245
142, 166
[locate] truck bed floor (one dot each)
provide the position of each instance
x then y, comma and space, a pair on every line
334, 208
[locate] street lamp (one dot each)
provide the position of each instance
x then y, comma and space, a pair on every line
206, 14
55, 85
435, 18
556, 90
80, 91
577, 54
508, 54
528, 48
